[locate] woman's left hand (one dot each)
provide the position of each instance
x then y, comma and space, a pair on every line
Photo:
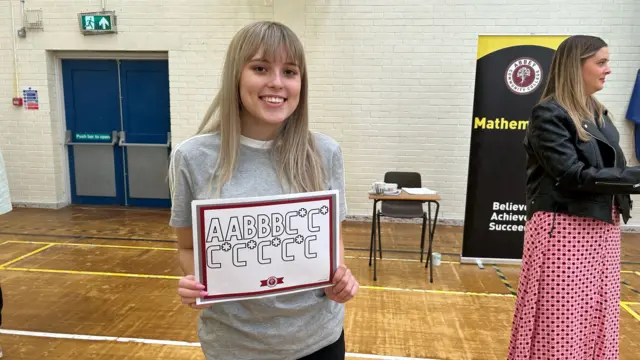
345, 286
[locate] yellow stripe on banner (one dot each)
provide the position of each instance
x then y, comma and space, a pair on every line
78, 272
625, 305
6, 242
488, 44
25, 256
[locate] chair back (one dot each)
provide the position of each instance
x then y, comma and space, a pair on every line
403, 179
400, 208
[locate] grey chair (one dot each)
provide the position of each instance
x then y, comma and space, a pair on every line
407, 209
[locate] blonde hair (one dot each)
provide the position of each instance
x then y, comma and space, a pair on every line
299, 164
565, 82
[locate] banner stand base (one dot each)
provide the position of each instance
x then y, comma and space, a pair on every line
480, 261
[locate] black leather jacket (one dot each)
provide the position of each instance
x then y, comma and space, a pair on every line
568, 175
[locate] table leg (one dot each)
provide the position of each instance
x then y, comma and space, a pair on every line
432, 230
374, 254
424, 225
373, 231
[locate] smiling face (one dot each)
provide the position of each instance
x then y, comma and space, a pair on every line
270, 93
594, 71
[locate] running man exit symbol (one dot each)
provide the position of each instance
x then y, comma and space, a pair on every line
89, 23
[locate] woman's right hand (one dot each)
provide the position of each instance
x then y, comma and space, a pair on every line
189, 289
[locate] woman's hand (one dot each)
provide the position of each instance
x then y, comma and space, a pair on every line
345, 286
189, 289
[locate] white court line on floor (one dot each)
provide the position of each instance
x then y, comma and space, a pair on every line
164, 342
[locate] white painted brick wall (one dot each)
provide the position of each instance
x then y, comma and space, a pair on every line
391, 80
194, 33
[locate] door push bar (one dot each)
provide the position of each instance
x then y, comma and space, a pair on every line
123, 139
114, 140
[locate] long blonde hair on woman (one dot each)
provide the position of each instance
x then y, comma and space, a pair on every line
298, 162
566, 85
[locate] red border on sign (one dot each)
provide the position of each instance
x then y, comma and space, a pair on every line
203, 268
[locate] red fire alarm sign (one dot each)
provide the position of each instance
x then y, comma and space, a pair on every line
17, 101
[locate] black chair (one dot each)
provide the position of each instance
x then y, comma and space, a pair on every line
406, 209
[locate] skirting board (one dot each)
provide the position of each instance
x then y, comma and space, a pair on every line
473, 260
454, 222
34, 205
630, 228
385, 219
356, 218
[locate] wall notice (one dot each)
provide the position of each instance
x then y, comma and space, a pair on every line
30, 99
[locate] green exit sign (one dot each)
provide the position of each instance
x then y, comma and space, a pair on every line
97, 22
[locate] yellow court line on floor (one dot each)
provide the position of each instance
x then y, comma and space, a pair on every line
173, 249
504, 280
79, 272
25, 256
625, 305
393, 259
170, 277
95, 245
443, 292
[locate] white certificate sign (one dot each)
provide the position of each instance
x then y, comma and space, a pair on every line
265, 246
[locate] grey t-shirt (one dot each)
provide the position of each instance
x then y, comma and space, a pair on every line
281, 327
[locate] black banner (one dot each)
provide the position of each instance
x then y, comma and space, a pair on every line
511, 72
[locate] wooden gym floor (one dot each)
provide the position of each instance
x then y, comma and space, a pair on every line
100, 283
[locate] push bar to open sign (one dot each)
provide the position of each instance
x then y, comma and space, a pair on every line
92, 137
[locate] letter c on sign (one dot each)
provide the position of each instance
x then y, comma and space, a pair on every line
237, 262
285, 256
307, 247
310, 225
260, 252
210, 263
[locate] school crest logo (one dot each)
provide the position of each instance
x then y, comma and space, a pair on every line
523, 76
272, 281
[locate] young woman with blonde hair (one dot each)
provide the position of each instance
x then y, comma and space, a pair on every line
255, 141
578, 186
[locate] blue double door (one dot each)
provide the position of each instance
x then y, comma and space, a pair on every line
117, 131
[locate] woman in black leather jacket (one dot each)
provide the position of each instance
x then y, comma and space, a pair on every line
578, 185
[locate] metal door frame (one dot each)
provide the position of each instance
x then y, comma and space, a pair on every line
58, 56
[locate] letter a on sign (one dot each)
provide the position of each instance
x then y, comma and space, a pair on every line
265, 246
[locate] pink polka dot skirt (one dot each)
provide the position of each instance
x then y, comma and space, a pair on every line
568, 297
